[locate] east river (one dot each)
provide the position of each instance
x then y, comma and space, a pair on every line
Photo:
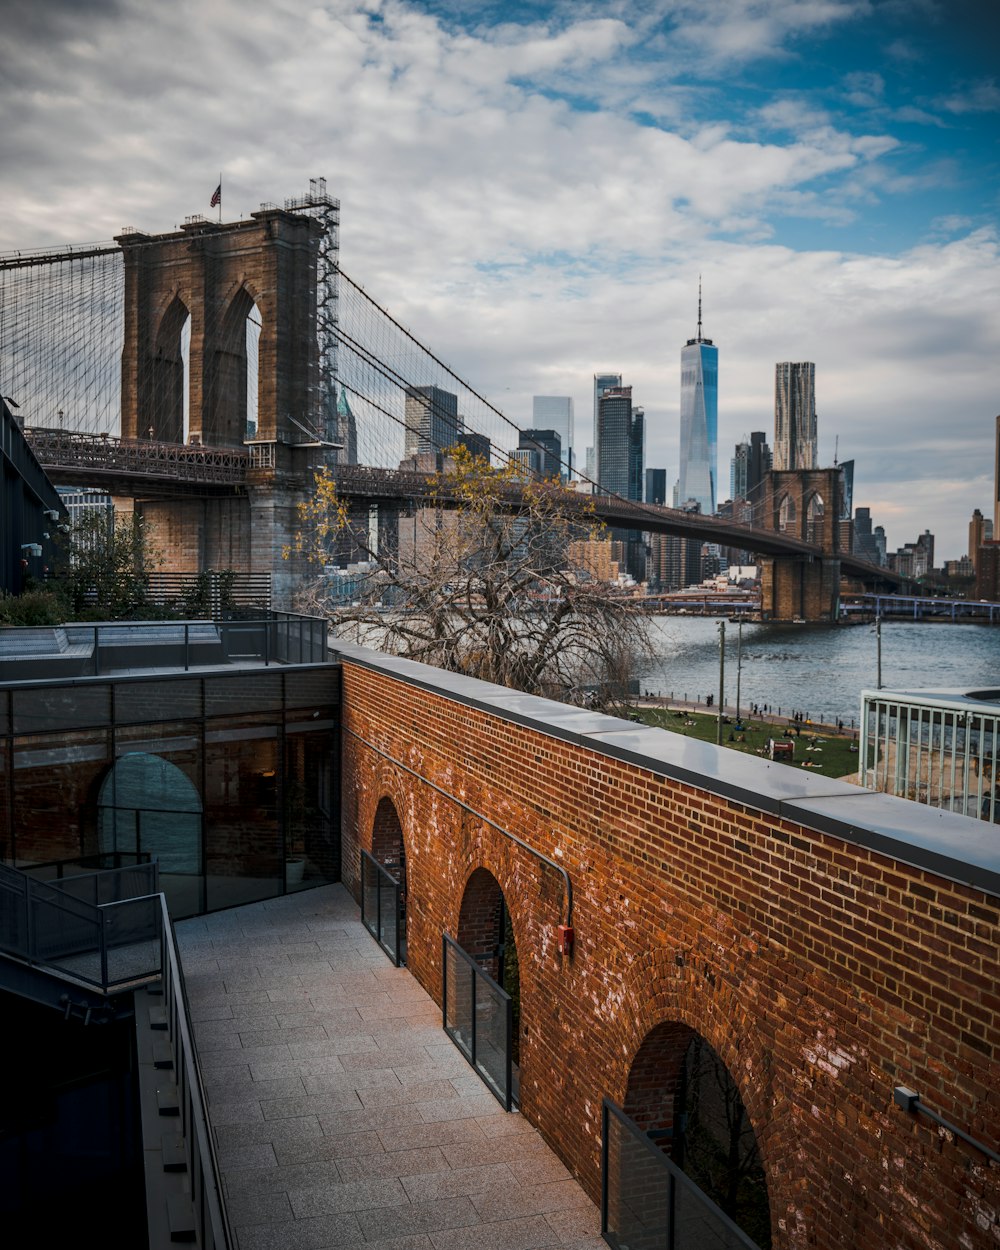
819, 671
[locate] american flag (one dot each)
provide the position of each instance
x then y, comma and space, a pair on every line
216, 199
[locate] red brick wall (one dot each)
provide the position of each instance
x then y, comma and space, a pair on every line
823, 974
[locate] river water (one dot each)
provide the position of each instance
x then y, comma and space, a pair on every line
817, 670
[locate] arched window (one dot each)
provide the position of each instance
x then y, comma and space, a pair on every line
786, 515
232, 375
147, 804
165, 418
815, 511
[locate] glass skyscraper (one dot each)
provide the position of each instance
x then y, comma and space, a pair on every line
603, 382
621, 444
699, 421
555, 412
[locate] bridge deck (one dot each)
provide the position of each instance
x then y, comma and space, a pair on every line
150, 466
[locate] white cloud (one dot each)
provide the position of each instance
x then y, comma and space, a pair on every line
864, 88
529, 243
977, 97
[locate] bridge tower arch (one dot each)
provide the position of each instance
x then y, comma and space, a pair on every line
806, 504
215, 277
215, 270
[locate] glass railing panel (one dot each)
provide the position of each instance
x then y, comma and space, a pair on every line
637, 1191
493, 1037
132, 938
458, 1014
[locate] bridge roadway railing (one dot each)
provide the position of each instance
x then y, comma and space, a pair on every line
145, 458
372, 483
220, 466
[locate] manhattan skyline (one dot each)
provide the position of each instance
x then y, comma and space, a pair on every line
832, 169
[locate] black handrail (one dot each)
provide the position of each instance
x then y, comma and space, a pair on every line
909, 1100
211, 1218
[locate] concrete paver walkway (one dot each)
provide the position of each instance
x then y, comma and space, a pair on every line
342, 1113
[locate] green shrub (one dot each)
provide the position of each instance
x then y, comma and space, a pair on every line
33, 607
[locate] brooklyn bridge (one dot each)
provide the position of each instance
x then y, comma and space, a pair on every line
201, 377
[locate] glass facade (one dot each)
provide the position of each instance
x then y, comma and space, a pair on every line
699, 425
229, 779
555, 412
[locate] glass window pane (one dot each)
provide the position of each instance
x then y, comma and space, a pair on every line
41, 708
148, 700
227, 695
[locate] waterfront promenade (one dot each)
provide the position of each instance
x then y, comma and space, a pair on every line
342, 1113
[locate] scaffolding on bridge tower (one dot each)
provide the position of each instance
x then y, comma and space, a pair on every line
337, 419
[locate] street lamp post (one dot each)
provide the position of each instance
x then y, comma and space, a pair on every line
722, 678
878, 653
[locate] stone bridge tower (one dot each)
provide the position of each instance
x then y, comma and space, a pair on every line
208, 280
807, 504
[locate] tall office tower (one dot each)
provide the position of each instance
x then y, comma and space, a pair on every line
603, 382
865, 545
656, 486
555, 412
925, 543
795, 415
980, 532
345, 431
699, 420
881, 547
546, 449
621, 463
432, 421
996, 483
752, 460
621, 444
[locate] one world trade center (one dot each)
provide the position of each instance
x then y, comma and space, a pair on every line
699, 421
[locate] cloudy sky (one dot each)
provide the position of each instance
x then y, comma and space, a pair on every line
534, 189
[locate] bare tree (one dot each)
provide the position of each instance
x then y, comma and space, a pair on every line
510, 594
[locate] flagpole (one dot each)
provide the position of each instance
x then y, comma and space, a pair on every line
220, 197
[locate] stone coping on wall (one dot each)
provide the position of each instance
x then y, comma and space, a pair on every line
952, 846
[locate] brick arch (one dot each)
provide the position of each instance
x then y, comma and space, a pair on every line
387, 831
786, 514
666, 988
813, 517
479, 919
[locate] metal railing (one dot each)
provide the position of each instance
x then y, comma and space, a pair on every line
106, 944
103, 861
647, 1202
279, 638
212, 1231
130, 939
148, 458
477, 1014
273, 637
381, 906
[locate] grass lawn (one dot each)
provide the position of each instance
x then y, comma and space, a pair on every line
831, 757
